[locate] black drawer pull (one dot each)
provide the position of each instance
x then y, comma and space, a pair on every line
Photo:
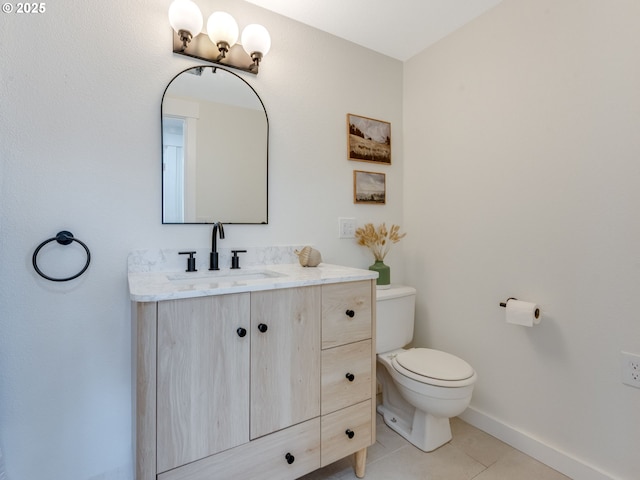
349, 433
350, 376
289, 458
241, 332
350, 313
262, 327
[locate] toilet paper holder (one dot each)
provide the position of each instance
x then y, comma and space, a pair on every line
504, 304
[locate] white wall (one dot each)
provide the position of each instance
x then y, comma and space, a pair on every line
522, 178
81, 86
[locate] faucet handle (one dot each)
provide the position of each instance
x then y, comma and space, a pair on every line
191, 261
235, 260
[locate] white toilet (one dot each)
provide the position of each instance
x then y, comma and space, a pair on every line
421, 388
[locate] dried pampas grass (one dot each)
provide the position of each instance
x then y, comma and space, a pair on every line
378, 239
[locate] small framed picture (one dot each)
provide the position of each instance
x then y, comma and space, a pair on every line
369, 187
368, 140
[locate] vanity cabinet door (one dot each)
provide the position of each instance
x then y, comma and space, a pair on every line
285, 358
202, 377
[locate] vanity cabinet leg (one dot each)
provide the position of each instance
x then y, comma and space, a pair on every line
360, 458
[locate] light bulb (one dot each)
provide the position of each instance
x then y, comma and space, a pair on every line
222, 27
255, 38
185, 15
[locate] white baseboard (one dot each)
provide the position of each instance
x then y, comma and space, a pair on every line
561, 461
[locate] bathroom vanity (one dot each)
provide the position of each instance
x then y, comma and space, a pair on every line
262, 373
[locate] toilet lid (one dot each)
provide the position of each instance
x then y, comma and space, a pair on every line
435, 364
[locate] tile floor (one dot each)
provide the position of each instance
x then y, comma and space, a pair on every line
472, 454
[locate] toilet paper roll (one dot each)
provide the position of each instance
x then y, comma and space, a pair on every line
523, 313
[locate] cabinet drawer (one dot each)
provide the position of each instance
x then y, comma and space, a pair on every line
345, 431
265, 458
346, 375
346, 313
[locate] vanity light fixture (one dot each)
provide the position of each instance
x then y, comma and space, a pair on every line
222, 31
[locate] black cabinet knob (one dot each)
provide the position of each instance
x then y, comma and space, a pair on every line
289, 458
262, 327
241, 332
349, 433
350, 313
350, 376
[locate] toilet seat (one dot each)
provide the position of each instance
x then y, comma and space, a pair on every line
434, 367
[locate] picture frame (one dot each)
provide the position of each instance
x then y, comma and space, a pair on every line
368, 139
369, 187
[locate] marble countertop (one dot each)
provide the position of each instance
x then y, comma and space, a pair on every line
153, 286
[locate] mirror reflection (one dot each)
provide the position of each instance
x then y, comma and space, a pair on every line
214, 149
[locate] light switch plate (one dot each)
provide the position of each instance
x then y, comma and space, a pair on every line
346, 227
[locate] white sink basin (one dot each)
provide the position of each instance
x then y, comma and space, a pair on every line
220, 277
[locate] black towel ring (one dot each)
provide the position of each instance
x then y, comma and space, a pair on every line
63, 238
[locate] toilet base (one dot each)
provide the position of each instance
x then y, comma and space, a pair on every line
426, 431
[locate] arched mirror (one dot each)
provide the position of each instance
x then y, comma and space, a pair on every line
215, 138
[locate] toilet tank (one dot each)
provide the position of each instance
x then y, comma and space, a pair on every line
395, 309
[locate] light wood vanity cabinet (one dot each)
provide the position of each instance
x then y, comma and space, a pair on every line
262, 384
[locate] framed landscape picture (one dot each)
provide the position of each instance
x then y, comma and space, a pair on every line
369, 187
368, 140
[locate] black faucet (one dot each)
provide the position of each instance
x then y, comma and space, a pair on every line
213, 256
